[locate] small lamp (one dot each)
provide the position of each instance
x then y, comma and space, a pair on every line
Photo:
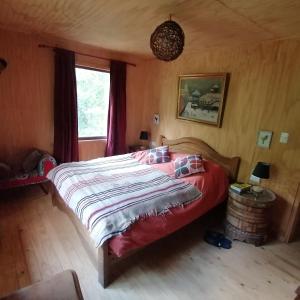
3, 64
144, 136
262, 171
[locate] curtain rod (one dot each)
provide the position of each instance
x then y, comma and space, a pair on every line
85, 54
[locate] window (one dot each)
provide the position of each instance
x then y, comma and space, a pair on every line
92, 102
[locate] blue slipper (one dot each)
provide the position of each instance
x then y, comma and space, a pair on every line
217, 239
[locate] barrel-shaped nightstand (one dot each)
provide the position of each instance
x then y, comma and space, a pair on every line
247, 217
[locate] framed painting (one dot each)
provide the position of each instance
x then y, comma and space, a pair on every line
201, 97
264, 138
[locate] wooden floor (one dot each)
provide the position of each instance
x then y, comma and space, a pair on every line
37, 241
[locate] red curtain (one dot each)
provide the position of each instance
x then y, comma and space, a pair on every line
116, 127
65, 107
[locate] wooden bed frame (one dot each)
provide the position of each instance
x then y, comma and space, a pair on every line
102, 260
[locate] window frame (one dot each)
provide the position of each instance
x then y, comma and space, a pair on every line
90, 138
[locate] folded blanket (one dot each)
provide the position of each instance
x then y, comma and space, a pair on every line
109, 194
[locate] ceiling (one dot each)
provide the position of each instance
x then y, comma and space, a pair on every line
126, 25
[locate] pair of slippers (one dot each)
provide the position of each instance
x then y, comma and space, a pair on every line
217, 239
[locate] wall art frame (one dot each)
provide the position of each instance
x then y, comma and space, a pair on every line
201, 97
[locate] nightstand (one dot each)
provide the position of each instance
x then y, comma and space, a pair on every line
134, 148
247, 217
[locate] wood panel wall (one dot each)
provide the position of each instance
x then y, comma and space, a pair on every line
263, 94
90, 149
26, 94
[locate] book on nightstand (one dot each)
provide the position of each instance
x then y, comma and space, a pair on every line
240, 187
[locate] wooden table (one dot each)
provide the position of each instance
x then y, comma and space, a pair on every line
64, 285
247, 217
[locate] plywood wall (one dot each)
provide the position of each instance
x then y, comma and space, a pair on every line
90, 149
263, 94
25, 97
26, 94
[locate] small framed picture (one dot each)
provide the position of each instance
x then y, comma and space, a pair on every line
156, 119
264, 138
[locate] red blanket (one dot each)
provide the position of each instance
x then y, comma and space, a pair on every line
213, 184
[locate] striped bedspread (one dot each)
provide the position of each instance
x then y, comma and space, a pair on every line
109, 194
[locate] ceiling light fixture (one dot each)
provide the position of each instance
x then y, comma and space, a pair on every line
167, 41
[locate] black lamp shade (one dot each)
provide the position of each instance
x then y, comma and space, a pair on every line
3, 64
262, 170
144, 135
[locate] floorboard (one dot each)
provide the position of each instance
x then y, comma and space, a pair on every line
38, 241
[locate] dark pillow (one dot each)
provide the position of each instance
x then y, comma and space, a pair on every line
31, 161
5, 171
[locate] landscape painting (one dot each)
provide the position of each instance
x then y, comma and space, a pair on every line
201, 97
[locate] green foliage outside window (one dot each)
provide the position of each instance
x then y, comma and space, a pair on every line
92, 102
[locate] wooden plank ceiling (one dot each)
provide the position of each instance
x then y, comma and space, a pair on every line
126, 26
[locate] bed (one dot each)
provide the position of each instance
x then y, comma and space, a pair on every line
219, 171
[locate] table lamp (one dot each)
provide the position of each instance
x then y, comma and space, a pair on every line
3, 64
144, 137
262, 171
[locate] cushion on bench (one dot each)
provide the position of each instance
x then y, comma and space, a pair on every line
38, 175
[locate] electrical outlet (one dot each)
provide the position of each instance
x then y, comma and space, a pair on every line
284, 137
254, 179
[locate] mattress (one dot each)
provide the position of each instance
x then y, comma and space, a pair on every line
214, 186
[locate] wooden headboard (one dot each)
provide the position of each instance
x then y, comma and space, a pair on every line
196, 146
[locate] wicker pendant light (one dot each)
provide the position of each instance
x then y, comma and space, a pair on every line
167, 41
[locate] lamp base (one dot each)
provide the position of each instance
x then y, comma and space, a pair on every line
257, 189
